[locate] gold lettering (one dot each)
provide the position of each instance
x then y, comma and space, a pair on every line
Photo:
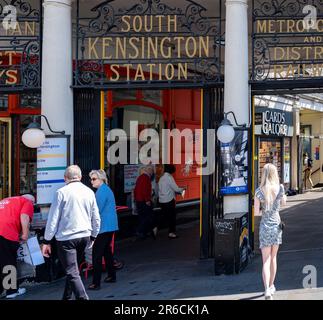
281, 22
139, 73
290, 71
136, 55
169, 74
115, 72
317, 70
152, 46
150, 24
271, 26
160, 18
204, 44
318, 53
105, 45
13, 75
290, 26
179, 46
169, 49
278, 69
121, 46
29, 28
300, 22
137, 24
126, 20
307, 49
296, 52
306, 40
92, 48
174, 21
261, 26
187, 47
11, 55
319, 25
151, 73
276, 51
128, 66
182, 71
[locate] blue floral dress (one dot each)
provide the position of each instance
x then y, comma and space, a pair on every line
270, 232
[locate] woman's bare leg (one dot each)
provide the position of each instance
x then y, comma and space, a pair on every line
273, 264
266, 262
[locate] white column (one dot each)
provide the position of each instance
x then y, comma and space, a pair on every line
236, 76
57, 95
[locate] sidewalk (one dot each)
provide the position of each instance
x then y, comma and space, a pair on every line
171, 269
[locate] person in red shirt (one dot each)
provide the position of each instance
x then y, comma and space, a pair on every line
16, 214
142, 196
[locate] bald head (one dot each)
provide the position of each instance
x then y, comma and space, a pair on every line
29, 197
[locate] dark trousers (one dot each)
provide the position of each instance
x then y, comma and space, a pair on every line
8, 257
103, 248
70, 254
168, 210
145, 217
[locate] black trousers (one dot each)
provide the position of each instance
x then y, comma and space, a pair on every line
145, 217
102, 248
70, 254
168, 210
8, 257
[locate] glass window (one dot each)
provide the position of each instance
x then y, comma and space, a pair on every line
307, 145
30, 101
28, 161
153, 96
3, 102
119, 95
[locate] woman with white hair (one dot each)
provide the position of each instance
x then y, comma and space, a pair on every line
268, 199
103, 246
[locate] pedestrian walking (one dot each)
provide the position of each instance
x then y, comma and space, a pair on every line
168, 189
268, 199
103, 244
308, 162
74, 221
16, 213
144, 205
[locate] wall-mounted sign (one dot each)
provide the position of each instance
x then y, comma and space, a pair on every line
131, 173
52, 160
20, 50
273, 122
286, 45
234, 162
147, 42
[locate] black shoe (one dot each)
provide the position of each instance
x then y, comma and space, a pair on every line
110, 279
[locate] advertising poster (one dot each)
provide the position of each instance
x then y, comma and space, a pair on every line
234, 160
52, 160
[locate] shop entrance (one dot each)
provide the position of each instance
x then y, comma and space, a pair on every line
5, 158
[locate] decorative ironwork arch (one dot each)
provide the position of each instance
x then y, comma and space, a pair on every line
108, 22
21, 47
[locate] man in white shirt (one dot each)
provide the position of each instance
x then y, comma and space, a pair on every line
167, 190
74, 221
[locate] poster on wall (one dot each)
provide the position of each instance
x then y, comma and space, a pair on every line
52, 160
234, 160
131, 173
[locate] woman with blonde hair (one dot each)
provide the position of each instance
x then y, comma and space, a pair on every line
268, 198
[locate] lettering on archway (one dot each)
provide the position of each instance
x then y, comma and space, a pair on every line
148, 42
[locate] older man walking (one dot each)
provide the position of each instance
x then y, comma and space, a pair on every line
74, 221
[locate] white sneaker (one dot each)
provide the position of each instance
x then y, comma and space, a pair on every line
20, 292
268, 295
272, 290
